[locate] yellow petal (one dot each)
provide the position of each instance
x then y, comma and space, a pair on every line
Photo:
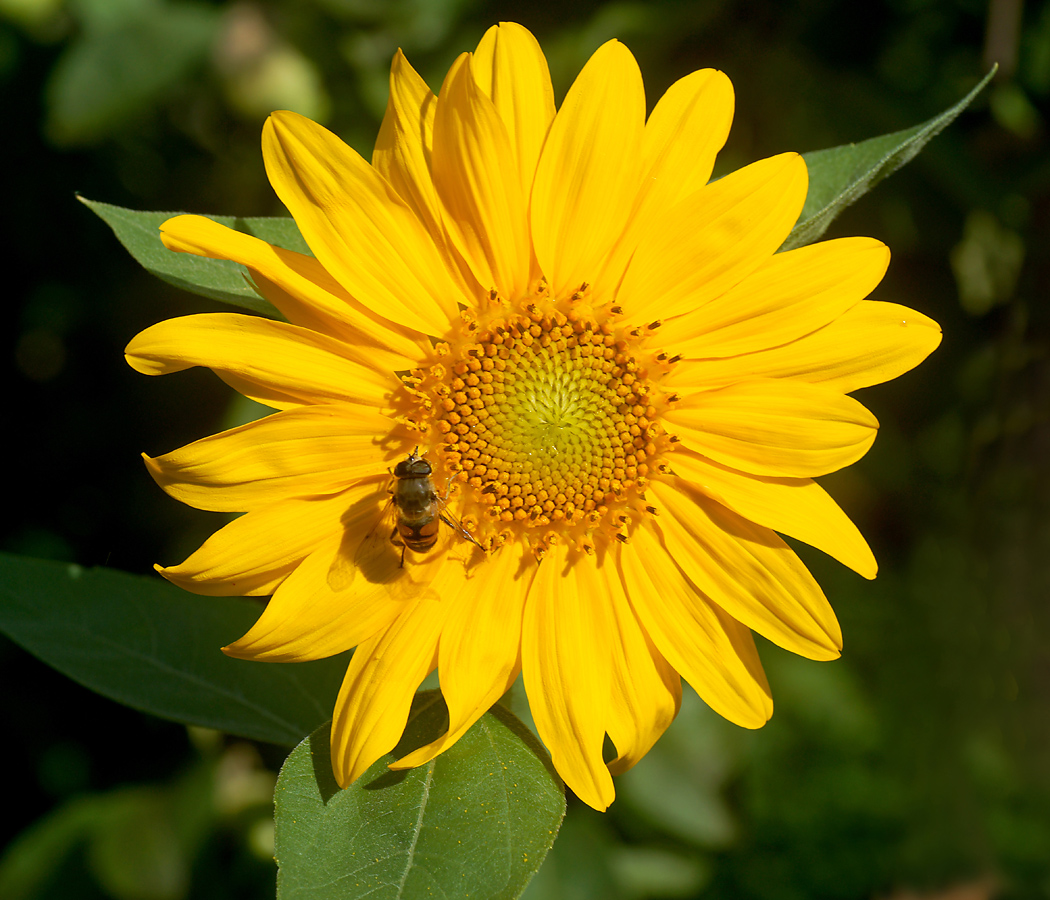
797, 507
714, 238
791, 295
510, 68
311, 450
747, 570
589, 170
373, 704
405, 138
479, 651
687, 128
870, 343
372, 708
477, 178
775, 427
646, 692
566, 667
274, 363
350, 587
711, 650
305, 293
358, 226
254, 553
685, 131
402, 156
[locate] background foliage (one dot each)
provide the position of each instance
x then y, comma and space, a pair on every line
919, 762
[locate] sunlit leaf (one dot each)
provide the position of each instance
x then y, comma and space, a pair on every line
149, 645
581, 863
119, 65
29, 862
476, 821
139, 842
681, 787
839, 176
219, 279
144, 839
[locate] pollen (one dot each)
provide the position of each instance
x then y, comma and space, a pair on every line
551, 420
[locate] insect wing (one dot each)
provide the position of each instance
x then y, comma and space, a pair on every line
378, 541
360, 552
453, 522
368, 560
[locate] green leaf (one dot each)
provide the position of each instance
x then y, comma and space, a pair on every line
476, 821
681, 788
136, 850
121, 64
147, 644
140, 841
218, 279
30, 860
841, 175
580, 865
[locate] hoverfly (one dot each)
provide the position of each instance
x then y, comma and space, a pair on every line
420, 509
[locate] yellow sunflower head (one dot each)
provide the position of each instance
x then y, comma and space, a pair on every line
544, 397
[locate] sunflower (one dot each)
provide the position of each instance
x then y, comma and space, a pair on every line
622, 390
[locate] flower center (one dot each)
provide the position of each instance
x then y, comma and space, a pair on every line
550, 418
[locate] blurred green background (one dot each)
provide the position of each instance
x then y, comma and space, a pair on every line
918, 765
